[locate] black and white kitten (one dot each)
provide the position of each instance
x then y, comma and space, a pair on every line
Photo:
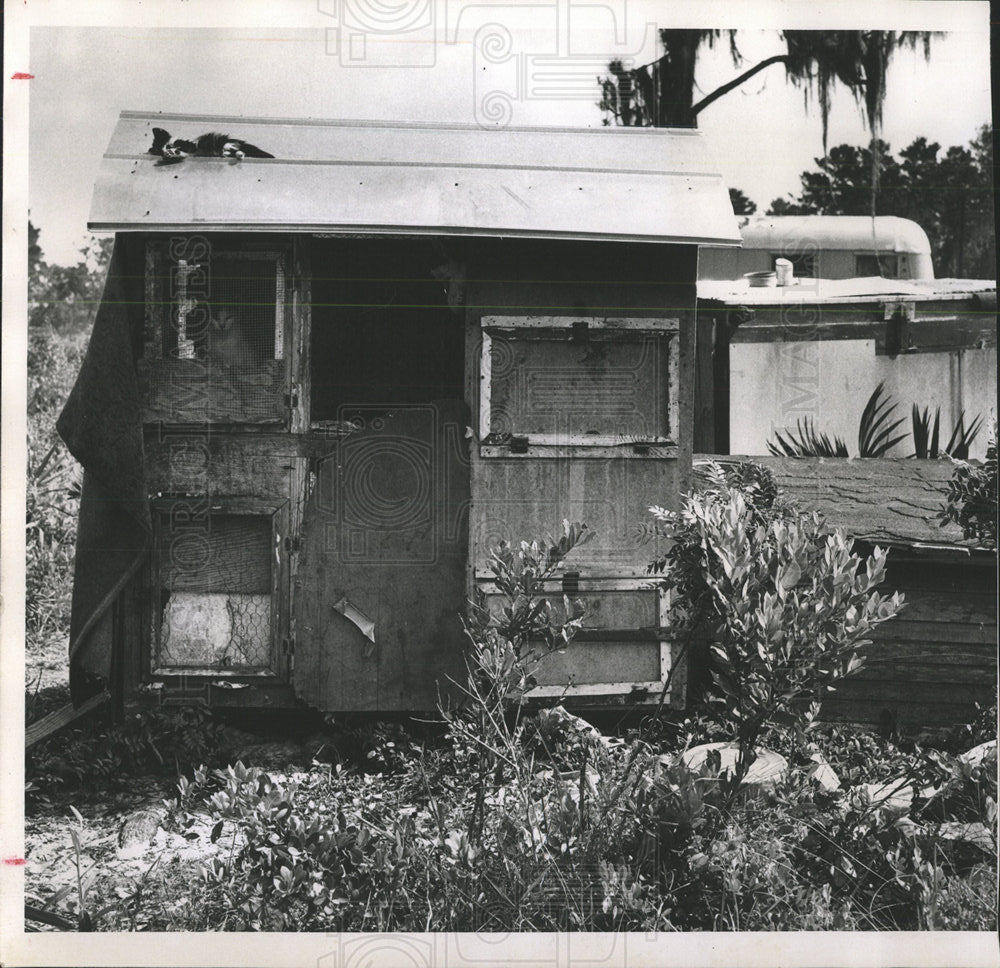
211, 145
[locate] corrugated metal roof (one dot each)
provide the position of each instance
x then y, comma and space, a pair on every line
641, 184
884, 233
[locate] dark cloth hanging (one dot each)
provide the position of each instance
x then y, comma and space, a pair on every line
102, 427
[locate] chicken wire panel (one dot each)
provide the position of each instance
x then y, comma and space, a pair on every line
244, 305
215, 587
215, 338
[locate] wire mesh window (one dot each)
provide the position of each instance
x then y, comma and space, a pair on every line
214, 588
556, 382
214, 346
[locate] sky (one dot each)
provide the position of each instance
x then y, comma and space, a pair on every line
432, 60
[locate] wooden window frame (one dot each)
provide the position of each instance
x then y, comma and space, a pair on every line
159, 266
279, 514
659, 634
580, 445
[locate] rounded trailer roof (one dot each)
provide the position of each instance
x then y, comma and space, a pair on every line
884, 233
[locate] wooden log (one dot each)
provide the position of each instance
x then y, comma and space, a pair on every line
60, 718
32, 913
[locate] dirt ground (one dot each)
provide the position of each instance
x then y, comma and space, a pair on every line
147, 883
109, 875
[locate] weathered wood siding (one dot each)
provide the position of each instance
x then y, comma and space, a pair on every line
528, 495
523, 497
387, 534
938, 658
931, 664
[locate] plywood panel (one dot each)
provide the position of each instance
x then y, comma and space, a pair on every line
601, 662
268, 466
602, 610
516, 500
385, 533
615, 386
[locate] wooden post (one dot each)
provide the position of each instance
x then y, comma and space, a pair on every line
720, 365
704, 385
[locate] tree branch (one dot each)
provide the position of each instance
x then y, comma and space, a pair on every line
736, 82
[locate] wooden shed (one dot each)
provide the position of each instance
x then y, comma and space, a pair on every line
768, 357
931, 664
322, 385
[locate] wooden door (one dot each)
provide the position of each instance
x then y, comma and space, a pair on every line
382, 573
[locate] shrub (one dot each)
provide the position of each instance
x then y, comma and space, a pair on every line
526, 819
100, 753
51, 499
786, 601
971, 501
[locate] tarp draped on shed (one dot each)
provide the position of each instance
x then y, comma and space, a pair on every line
639, 184
102, 427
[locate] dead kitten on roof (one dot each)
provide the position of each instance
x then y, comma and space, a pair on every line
211, 145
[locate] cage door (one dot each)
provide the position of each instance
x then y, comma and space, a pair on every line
218, 581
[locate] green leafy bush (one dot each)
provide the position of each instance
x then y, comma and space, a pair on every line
102, 753
785, 600
51, 499
971, 502
519, 818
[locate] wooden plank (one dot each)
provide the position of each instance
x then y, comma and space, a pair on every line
704, 390
606, 661
907, 670
903, 630
922, 336
908, 715
192, 392
959, 606
724, 327
969, 582
61, 718
523, 499
32, 913
903, 690
945, 657
636, 609
301, 333
513, 323
268, 466
884, 499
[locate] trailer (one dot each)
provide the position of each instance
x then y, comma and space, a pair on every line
321, 386
825, 247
